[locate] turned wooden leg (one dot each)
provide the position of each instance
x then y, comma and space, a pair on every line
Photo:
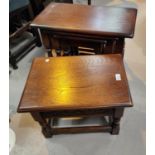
35, 32
115, 126
89, 2
119, 46
46, 128
118, 113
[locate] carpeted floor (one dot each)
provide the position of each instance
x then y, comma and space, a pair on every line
30, 141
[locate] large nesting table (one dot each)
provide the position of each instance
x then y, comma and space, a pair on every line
83, 86
82, 27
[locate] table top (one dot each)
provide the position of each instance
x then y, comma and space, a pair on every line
77, 18
75, 82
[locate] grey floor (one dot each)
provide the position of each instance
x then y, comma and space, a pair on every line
30, 141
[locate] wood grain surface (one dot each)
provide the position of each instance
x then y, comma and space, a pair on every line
98, 20
77, 82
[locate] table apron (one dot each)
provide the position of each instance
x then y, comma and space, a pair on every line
82, 113
101, 44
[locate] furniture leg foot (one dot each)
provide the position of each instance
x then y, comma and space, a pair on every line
115, 126
15, 67
46, 128
118, 113
47, 133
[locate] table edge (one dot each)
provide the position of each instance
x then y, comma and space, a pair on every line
126, 104
97, 33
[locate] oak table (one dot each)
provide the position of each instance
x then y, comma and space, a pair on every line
83, 86
95, 29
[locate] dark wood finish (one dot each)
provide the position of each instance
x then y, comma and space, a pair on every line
84, 129
118, 113
94, 20
75, 83
99, 45
89, 2
46, 129
101, 28
78, 113
76, 86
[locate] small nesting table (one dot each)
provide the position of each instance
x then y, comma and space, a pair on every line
83, 86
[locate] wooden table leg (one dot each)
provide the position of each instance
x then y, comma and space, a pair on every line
89, 2
46, 128
120, 46
35, 32
118, 113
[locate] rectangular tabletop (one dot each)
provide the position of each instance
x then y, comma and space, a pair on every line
76, 82
99, 20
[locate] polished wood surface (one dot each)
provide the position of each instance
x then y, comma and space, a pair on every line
77, 82
98, 20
